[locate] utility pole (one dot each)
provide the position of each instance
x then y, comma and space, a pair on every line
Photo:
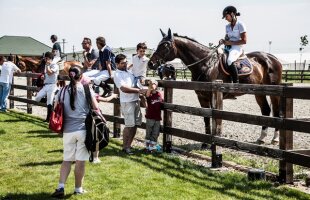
270, 46
63, 45
73, 53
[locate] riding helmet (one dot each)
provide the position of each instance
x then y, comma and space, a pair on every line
229, 10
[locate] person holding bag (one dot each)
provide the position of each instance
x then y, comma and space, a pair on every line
76, 109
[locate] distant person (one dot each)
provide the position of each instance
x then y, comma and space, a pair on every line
139, 65
153, 116
129, 99
91, 55
6, 76
56, 50
49, 88
76, 109
234, 40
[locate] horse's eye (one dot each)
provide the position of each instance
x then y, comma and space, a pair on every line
166, 45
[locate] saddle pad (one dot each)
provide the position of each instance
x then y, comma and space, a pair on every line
244, 66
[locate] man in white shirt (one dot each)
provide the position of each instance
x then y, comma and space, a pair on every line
6, 77
129, 98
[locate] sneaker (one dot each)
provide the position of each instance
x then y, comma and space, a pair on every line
80, 192
97, 161
128, 151
59, 193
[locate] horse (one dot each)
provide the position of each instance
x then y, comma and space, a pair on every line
267, 70
167, 72
37, 65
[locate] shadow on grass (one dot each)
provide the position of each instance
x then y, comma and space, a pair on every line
44, 136
229, 184
2, 131
40, 131
47, 163
37, 196
56, 151
22, 117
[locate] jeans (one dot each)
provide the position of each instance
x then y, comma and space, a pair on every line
4, 93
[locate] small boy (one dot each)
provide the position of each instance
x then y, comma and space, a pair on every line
139, 65
153, 116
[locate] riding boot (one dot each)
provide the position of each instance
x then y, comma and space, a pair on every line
234, 73
49, 112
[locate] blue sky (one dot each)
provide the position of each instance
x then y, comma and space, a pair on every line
124, 23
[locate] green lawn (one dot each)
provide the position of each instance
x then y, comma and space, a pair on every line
31, 157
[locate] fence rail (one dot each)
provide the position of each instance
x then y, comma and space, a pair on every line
285, 154
287, 75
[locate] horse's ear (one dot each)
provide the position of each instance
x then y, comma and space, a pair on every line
170, 36
162, 33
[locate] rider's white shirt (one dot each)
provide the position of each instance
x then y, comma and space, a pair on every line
235, 33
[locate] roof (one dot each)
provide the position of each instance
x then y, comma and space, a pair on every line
22, 45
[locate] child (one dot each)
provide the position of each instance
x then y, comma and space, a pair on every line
153, 116
139, 65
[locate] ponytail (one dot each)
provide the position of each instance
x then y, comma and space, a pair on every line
74, 75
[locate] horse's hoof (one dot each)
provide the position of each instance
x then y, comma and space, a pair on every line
274, 142
204, 146
260, 142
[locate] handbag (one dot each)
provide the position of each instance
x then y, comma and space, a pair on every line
56, 120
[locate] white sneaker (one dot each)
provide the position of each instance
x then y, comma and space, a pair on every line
96, 161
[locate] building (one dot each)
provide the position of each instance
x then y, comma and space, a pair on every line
293, 61
22, 45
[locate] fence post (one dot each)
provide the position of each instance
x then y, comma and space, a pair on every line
286, 74
286, 139
117, 112
167, 139
29, 92
217, 103
12, 94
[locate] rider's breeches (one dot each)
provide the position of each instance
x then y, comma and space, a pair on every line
49, 91
98, 76
234, 54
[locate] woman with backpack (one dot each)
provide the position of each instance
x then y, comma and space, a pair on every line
76, 109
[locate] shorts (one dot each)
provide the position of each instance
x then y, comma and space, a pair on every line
132, 113
152, 130
74, 146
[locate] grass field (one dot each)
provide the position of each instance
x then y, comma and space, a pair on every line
31, 156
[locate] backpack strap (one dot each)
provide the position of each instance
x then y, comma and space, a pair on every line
62, 93
88, 96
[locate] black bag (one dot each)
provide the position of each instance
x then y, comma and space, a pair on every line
97, 132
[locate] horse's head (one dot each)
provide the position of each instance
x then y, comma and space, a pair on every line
20, 63
166, 51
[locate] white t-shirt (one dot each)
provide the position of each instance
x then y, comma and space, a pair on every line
235, 33
139, 66
8, 68
125, 78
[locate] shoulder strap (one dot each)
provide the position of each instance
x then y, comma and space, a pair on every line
88, 96
62, 93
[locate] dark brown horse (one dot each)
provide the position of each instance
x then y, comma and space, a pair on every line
267, 70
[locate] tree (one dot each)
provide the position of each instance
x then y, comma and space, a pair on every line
303, 44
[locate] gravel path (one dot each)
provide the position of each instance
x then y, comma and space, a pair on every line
233, 130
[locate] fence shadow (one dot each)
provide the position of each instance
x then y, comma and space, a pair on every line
24, 196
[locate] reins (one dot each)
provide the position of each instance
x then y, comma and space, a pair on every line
200, 61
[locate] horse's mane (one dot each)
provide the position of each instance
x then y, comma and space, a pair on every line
188, 38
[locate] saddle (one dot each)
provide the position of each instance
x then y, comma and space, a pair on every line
243, 63
61, 64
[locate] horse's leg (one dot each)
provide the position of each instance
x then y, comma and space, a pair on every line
265, 110
275, 101
205, 103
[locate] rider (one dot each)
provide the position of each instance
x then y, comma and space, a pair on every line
56, 50
234, 40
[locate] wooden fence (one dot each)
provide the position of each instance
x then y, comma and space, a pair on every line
287, 75
286, 155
